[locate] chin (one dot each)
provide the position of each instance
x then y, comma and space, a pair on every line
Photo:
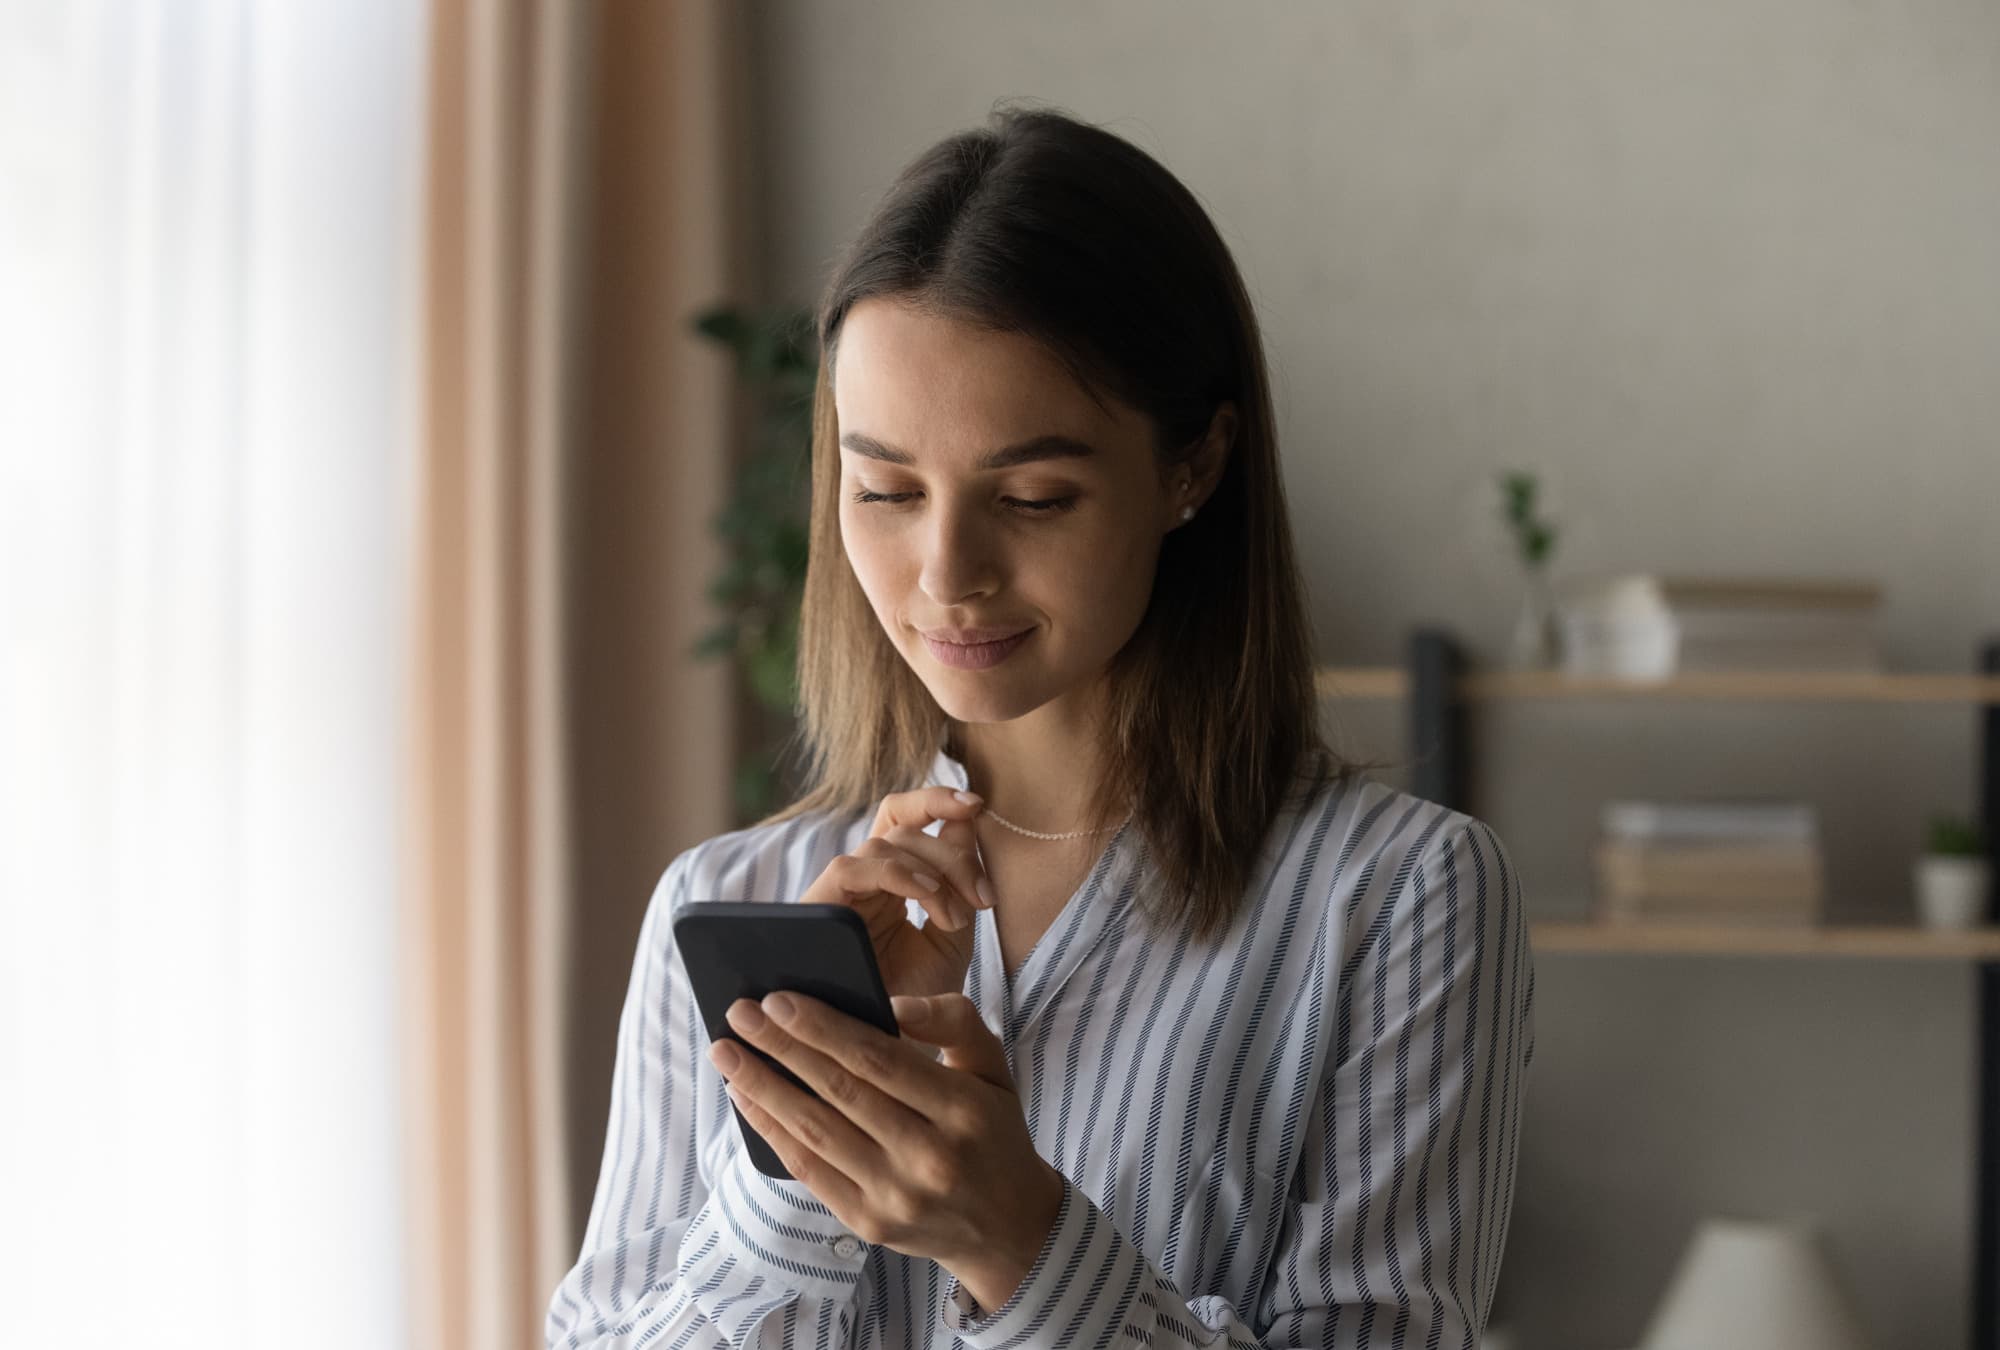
974, 696
974, 706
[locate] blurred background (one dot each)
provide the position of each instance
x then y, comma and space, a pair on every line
399, 546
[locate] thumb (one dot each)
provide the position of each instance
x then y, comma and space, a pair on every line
952, 1021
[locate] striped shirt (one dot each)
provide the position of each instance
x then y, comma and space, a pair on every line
1304, 1134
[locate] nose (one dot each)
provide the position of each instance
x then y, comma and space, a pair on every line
960, 560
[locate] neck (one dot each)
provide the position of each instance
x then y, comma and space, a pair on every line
1040, 770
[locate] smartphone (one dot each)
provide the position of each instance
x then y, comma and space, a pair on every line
734, 950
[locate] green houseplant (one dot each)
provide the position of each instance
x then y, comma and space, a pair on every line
763, 525
1954, 837
1953, 876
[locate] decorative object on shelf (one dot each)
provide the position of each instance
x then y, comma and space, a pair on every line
1617, 626
1535, 644
763, 528
1746, 1284
1953, 876
1711, 861
1651, 627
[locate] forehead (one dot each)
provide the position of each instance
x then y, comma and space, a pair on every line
931, 383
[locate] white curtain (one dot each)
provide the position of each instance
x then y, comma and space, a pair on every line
210, 237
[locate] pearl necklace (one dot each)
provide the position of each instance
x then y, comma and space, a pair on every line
995, 816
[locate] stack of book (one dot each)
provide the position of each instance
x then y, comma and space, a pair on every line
1775, 625
1652, 627
1711, 861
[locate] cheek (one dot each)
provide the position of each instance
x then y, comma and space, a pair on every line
1139, 560
1106, 576
873, 558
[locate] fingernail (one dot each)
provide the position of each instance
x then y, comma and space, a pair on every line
969, 798
780, 1006
926, 880
724, 1056
985, 890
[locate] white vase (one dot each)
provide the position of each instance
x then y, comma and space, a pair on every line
1951, 891
1534, 644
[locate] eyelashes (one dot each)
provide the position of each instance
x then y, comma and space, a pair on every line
1047, 506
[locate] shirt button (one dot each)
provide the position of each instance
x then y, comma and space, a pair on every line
847, 1245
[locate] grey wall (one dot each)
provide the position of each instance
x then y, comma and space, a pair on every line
1727, 273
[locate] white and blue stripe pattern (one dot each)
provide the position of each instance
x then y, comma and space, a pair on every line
1302, 1135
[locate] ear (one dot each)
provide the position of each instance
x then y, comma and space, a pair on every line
1215, 448
1202, 470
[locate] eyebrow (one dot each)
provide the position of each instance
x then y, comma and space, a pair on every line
1023, 452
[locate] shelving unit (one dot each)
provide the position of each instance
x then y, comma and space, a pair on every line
1439, 692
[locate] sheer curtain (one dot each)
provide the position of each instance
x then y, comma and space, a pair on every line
210, 246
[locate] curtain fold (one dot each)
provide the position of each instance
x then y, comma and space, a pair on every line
489, 818
582, 202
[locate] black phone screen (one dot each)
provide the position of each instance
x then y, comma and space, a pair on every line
733, 950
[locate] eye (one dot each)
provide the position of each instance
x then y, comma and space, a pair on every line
1042, 507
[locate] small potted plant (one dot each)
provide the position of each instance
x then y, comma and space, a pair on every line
1953, 875
1536, 642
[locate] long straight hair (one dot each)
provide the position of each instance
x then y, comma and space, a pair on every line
1046, 226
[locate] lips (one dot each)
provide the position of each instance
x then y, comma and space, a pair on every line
977, 655
971, 637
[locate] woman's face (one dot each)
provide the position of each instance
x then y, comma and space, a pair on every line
1003, 526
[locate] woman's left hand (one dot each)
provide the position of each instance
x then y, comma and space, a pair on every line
930, 1157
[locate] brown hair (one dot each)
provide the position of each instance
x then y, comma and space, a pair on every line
1046, 226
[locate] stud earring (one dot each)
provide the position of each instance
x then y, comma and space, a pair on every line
1187, 513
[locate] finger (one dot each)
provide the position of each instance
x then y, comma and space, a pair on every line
916, 878
873, 871
896, 1089
852, 1123
790, 1120
921, 807
960, 835
835, 1189
881, 867
958, 861
952, 1021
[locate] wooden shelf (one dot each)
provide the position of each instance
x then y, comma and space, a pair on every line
1390, 682
1893, 942
1362, 682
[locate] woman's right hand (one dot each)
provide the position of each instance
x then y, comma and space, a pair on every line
891, 864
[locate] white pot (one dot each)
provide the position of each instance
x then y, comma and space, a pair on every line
1951, 891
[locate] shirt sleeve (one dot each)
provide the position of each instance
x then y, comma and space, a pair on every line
1400, 1203
688, 1243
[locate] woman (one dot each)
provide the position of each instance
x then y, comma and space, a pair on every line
1205, 1033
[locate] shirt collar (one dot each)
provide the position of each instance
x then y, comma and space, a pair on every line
947, 771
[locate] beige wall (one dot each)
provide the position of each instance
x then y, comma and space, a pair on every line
1728, 274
